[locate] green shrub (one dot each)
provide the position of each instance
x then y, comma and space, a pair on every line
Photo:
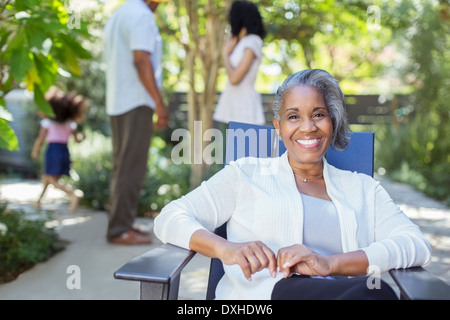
92, 163
402, 151
23, 243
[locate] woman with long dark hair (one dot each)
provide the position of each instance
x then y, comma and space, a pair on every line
242, 56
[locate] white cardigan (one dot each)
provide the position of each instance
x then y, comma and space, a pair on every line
260, 201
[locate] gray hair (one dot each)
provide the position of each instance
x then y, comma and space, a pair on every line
326, 84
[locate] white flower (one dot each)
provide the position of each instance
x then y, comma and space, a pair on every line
3, 229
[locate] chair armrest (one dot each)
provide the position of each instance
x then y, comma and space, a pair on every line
158, 271
419, 284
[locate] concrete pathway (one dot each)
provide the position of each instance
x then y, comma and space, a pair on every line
87, 249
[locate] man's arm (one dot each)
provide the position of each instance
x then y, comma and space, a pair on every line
146, 75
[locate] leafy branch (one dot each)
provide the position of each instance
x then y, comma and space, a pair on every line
38, 46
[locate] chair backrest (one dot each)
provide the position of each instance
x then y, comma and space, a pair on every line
247, 140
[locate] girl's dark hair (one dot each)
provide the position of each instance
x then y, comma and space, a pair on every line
245, 14
65, 106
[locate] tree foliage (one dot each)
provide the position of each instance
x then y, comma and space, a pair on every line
197, 28
39, 42
383, 47
419, 149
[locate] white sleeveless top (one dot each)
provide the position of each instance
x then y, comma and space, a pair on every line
241, 102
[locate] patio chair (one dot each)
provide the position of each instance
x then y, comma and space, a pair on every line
159, 269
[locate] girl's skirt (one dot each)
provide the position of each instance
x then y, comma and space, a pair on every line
57, 159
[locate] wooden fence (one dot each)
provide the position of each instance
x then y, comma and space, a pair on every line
361, 109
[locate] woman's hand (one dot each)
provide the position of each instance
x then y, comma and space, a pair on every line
229, 46
250, 256
300, 259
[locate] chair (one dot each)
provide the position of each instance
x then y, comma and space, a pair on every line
158, 270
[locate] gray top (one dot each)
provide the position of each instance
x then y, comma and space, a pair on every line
321, 230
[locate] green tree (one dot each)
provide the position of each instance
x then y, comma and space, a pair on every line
419, 150
39, 42
332, 35
346, 38
197, 28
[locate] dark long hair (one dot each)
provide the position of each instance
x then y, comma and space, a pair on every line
65, 106
245, 14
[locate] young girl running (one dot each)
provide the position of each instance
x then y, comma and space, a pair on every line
69, 110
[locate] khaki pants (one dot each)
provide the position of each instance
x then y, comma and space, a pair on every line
131, 137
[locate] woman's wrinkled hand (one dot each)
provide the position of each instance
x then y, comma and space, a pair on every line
251, 257
300, 259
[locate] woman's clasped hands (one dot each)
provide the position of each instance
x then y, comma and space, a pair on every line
254, 256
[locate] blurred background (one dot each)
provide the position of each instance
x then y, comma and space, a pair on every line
391, 57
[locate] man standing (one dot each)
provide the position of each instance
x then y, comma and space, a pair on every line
133, 52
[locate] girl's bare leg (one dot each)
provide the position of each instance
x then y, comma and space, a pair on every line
45, 183
73, 195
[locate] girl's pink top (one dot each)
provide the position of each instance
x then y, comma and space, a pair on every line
58, 132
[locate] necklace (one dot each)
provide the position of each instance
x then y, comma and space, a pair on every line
308, 180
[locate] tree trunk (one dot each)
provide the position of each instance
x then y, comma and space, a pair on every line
202, 53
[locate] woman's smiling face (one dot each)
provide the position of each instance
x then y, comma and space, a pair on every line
305, 125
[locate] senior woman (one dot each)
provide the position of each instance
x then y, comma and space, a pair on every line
297, 226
